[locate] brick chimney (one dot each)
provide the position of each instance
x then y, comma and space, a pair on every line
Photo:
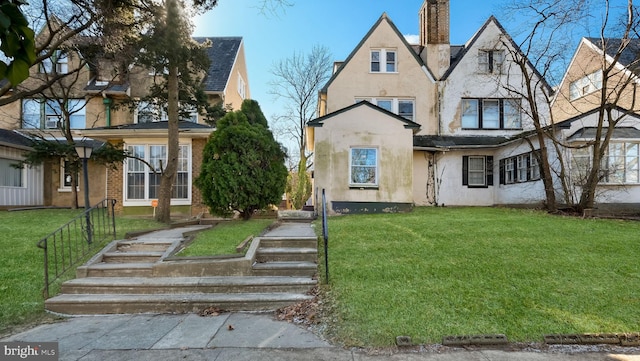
434, 35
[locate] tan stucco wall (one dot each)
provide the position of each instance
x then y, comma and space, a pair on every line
586, 61
411, 82
232, 96
364, 127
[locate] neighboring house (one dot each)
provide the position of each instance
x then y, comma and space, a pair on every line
575, 111
19, 186
99, 115
447, 125
460, 124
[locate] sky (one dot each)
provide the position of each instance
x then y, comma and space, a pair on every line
337, 24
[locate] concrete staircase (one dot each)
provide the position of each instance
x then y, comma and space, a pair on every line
141, 276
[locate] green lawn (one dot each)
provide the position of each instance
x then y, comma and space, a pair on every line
21, 269
461, 271
224, 237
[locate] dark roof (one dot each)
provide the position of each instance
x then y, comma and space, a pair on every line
452, 141
407, 123
618, 133
222, 53
630, 55
566, 124
14, 138
108, 87
157, 125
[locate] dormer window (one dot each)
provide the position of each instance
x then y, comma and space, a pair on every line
383, 61
490, 61
585, 85
57, 63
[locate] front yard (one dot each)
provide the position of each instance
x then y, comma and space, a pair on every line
463, 271
21, 268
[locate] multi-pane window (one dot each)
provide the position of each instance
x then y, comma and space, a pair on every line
363, 167
585, 85
477, 171
11, 174
68, 174
519, 169
58, 63
383, 61
48, 114
148, 112
402, 107
143, 183
242, 87
479, 113
620, 165
490, 61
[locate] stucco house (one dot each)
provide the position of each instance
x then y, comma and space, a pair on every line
463, 121
443, 124
99, 116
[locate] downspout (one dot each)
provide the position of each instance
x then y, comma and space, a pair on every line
107, 109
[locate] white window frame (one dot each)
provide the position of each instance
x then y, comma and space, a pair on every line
490, 61
376, 168
482, 171
63, 177
395, 105
242, 87
10, 173
509, 171
57, 63
184, 167
585, 85
523, 169
383, 61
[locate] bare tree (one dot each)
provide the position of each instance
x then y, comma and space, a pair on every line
298, 80
542, 53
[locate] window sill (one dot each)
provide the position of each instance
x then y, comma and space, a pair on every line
363, 187
67, 190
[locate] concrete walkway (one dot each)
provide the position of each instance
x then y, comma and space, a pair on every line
243, 336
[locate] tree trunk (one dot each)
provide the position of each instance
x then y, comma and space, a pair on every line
165, 192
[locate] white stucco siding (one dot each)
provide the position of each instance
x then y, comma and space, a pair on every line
356, 81
364, 127
450, 190
467, 81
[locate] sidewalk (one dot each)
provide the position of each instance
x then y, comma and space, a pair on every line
238, 336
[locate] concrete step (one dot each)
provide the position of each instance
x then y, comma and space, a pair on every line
297, 242
84, 304
168, 285
131, 257
292, 269
143, 269
287, 254
147, 246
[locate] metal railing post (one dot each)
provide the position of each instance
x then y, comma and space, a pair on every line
325, 235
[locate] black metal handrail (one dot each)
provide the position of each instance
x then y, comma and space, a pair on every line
71, 243
325, 235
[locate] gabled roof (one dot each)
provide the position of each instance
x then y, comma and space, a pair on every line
566, 124
618, 133
461, 53
223, 53
318, 122
14, 139
457, 142
630, 56
383, 17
